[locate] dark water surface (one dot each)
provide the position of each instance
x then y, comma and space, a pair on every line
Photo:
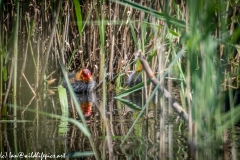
36, 135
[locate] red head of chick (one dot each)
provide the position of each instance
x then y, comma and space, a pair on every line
81, 81
84, 75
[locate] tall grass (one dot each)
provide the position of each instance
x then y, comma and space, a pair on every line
204, 68
15, 57
1, 63
191, 43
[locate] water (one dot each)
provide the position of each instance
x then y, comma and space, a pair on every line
35, 134
38, 135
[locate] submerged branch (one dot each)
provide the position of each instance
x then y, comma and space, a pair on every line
178, 108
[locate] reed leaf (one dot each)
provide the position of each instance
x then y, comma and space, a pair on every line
118, 82
82, 126
64, 108
79, 154
79, 15
231, 117
131, 90
153, 12
4, 73
75, 101
134, 35
129, 104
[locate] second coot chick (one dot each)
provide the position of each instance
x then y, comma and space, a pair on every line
135, 77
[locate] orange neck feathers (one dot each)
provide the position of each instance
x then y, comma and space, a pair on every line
139, 68
84, 75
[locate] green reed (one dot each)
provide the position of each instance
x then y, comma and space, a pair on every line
2, 72
203, 67
15, 59
199, 46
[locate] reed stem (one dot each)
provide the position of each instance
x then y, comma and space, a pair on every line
15, 60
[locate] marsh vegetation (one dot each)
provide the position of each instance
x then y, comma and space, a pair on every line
186, 52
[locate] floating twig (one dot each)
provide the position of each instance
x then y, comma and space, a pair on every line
28, 84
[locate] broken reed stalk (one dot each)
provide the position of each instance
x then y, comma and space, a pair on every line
28, 84
178, 108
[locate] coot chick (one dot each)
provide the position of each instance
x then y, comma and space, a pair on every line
81, 81
135, 77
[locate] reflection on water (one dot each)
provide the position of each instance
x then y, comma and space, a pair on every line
51, 136
86, 103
